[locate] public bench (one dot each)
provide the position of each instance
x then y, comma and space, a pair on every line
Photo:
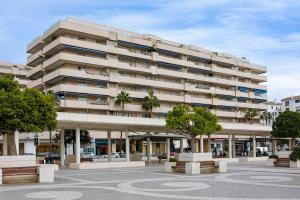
20, 174
88, 159
282, 162
204, 167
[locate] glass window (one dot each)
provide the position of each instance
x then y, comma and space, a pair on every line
82, 83
82, 97
81, 68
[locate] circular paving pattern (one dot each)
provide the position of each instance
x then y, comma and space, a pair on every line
270, 178
54, 195
169, 186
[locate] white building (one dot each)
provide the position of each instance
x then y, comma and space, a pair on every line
291, 103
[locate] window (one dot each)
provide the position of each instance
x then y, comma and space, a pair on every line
60, 96
81, 68
82, 97
82, 83
297, 101
287, 103
101, 84
81, 38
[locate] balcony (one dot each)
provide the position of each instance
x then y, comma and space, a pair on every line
35, 70
138, 108
83, 89
35, 59
221, 70
74, 73
38, 83
146, 82
84, 104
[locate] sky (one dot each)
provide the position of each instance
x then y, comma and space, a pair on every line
266, 32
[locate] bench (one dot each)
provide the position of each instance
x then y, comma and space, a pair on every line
20, 174
205, 166
282, 162
86, 159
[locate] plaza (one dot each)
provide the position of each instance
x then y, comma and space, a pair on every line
242, 181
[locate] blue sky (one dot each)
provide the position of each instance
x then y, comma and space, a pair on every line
265, 31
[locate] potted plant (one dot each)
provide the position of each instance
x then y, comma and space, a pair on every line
272, 159
295, 158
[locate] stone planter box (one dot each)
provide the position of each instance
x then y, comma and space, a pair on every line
17, 161
194, 157
295, 164
270, 162
169, 165
283, 154
192, 168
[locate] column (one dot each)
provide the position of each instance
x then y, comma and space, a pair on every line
201, 144
209, 143
181, 145
168, 148
62, 147
17, 142
148, 149
77, 148
127, 147
275, 146
229, 146
5, 145
254, 145
109, 146
290, 144
233, 146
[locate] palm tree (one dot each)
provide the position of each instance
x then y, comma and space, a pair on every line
250, 114
267, 117
122, 98
149, 102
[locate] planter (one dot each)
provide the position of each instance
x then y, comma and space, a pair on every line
270, 162
169, 165
17, 161
295, 164
283, 154
194, 157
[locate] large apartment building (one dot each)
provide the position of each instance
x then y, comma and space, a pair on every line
88, 64
18, 71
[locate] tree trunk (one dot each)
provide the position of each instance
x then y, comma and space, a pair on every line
11, 144
50, 139
193, 144
121, 144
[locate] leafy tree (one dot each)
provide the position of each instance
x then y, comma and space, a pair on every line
287, 125
149, 102
27, 110
191, 122
250, 114
122, 98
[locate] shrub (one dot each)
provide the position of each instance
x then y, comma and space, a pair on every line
295, 155
273, 156
172, 160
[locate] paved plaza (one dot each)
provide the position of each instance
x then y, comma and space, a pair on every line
242, 181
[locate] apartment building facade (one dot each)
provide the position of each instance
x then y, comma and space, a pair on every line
86, 65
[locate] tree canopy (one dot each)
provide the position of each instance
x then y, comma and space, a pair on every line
149, 102
122, 98
27, 110
287, 125
250, 114
191, 121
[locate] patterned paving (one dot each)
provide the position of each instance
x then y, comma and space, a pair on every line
243, 181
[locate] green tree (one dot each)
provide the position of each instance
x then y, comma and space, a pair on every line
149, 102
250, 114
287, 125
27, 110
191, 122
122, 98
